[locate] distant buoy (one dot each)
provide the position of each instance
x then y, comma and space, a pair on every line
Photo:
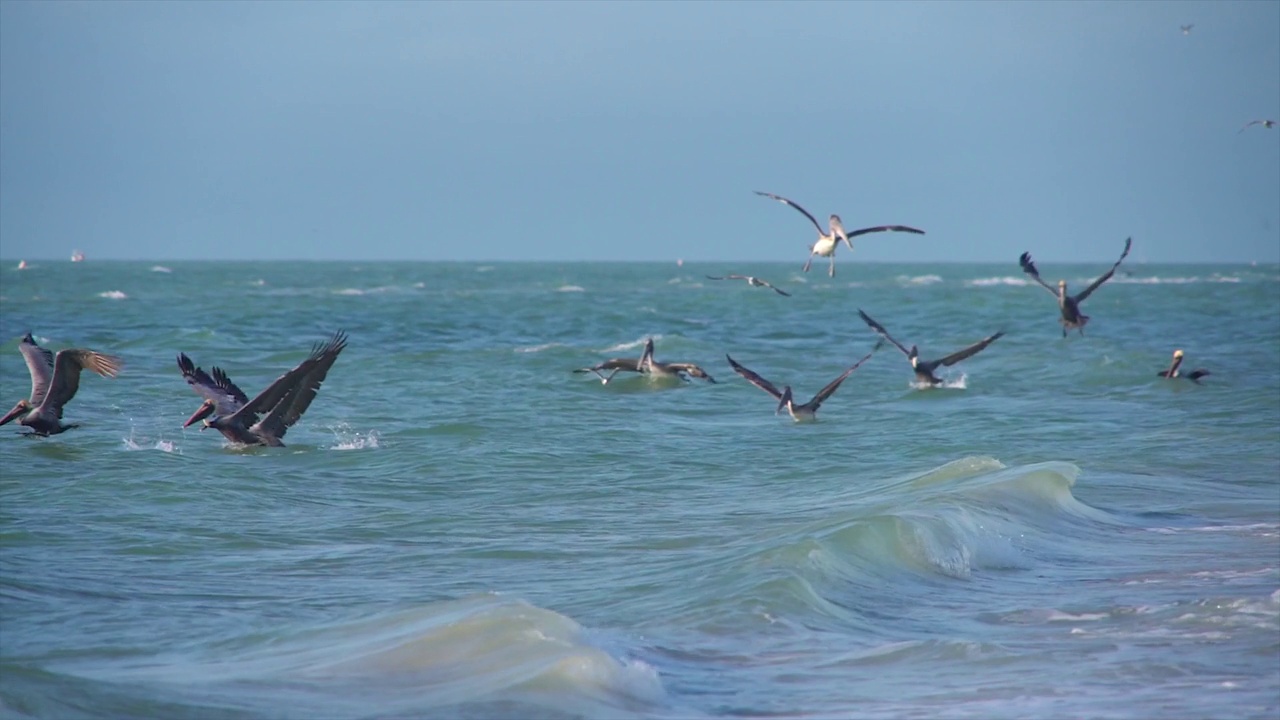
679, 262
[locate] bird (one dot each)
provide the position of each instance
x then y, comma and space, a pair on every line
54, 381
1186, 29
809, 410
228, 410
924, 368
614, 366
825, 246
752, 281
1172, 373
646, 365
1069, 305
1268, 124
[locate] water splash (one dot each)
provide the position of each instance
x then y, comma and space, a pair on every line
348, 439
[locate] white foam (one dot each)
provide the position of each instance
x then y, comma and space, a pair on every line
161, 269
168, 446
113, 295
629, 345
996, 281
959, 383
348, 439
919, 279
571, 288
540, 348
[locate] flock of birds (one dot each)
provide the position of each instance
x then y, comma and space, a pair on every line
265, 419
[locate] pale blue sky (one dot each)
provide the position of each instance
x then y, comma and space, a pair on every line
638, 131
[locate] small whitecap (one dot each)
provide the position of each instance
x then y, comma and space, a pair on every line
571, 288
161, 269
997, 281
348, 439
539, 348
113, 295
633, 344
349, 291
258, 283
919, 279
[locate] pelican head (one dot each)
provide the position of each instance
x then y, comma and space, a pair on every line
1176, 355
22, 408
205, 410
913, 356
785, 400
837, 230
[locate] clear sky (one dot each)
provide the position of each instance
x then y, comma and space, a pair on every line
638, 131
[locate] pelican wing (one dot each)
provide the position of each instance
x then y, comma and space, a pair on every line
884, 228
804, 212
629, 364
778, 290
269, 398
1029, 268
832, 386
755, 379
40, 365
302, 388
883, 333
692, 369
1105, 276
67, 365
646, 357
970, 351
218, 389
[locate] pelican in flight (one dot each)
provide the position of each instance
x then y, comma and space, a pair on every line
1268, 124
646, 365
752, 281
1172, 373
1186, 29
1070, 305
229, 411
807, 411
924, 368
54, 381
827, 241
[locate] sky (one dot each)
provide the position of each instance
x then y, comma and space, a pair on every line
605, 131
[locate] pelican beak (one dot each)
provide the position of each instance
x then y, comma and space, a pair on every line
206, 409
786, 398
17, 410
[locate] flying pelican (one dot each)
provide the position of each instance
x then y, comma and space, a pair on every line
1194, 376
54, 381
752, 281
924, 368
1070, 306
807, 411
646, 365
1186, 29
282, 403
1264, 123
827, 241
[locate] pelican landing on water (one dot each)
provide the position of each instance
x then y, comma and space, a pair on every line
1069, 305
54, 381
1173, 373
798, 412
229, 411
924, 368
646, 365
827, 241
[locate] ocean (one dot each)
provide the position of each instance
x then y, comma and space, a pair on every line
462, 527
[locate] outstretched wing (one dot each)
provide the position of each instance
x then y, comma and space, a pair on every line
1029, 268
1249, 124
1107, 275
693, 370
302, 388
776, 289
883, 333
67, 365
630, 364
40, 365
755, 379
218, 389
646, 357
804, 212
269, 398
832, 386
883, 228
970, 351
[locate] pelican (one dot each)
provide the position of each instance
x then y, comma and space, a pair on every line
827, 241
924, 368
1069, 305
54, 381
807, 411
228, 410
1268, 124
752, 281
646, 365
1172, 373
1186, 29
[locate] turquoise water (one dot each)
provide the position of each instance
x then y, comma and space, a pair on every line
462, 527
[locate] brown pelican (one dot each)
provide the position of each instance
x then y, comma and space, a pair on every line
646, 365
807, 411
1264, 123
924, 368
54, 381
752, 281
827, 241
1194, 376
282, 403
1069, 305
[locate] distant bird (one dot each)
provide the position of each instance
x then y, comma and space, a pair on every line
1172, 373
752, 281
807, 411
827, 241
924, 368
1268, 124
1069, 305
1186, 29
54, 381
646, 365
229, 411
